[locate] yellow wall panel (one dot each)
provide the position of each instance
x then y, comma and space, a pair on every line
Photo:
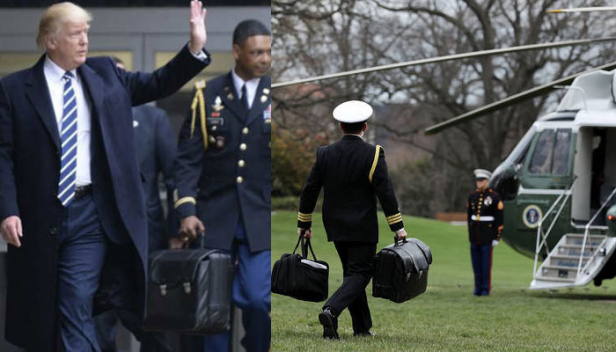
16, 61
222, 63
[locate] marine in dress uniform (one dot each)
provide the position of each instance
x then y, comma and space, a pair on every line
353, 174
223, 177
485, 225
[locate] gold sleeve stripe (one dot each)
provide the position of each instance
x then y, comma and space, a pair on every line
391, 216
374, 162
184, 200
394, 220
304, 217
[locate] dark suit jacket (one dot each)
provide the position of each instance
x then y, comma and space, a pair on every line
29, 171
156, 148
351, 182
210, 178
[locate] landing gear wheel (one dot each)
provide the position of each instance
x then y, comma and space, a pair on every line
597, 282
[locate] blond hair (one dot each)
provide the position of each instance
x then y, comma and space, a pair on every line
55, 17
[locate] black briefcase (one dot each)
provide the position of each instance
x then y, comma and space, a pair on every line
297, 276
401, 270
189, 291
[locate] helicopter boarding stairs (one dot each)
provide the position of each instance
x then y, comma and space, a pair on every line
577, 258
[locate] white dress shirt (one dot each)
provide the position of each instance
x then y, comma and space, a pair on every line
53, 76
251, 87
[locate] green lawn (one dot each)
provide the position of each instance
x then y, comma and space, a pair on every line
448, 317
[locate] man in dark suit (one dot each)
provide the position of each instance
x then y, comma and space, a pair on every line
71, 196
155, 144
485, 225
351, 173
223, 172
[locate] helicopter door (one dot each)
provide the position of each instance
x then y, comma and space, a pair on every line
580, 207
609, 168
595, 166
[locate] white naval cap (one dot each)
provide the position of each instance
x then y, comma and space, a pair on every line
353, 111
481, 173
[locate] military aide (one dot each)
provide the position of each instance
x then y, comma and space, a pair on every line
352, 173
223, 177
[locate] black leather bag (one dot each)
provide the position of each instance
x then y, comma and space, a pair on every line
189, 291
297, 276
401, 270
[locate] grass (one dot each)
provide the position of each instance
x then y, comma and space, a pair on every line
448, 317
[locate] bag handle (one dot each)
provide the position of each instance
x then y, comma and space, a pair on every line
306, 245
300, 238
398, 241
309, 246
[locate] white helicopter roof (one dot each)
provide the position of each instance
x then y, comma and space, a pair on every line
592, 98
593, 91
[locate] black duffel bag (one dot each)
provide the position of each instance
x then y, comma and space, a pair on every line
189, 291
401, 270
297, 276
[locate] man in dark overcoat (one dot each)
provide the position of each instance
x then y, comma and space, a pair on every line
71, 195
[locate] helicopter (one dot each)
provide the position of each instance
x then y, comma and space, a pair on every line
560, 180
559, 207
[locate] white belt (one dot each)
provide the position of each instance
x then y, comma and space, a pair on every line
482, 218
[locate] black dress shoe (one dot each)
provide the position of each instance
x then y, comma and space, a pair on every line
364, 334
330, 324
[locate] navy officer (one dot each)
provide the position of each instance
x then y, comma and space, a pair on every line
353, 173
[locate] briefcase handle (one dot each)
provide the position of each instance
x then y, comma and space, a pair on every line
398, 241
305, 246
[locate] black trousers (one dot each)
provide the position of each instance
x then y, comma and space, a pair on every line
357, 260
107, 328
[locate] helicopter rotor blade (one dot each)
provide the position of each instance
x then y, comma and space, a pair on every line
584, 9
444, 58
512, 100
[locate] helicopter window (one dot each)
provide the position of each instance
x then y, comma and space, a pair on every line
541, 162
560, 165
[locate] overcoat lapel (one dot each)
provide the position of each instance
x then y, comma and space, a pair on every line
40, 98
94, 87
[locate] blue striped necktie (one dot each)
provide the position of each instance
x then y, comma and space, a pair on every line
68, 138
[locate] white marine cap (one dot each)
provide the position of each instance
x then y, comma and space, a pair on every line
353, 111
481, 173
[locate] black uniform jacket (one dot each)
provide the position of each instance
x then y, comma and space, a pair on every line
353, 174
156, 143
485, 216
232, 178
